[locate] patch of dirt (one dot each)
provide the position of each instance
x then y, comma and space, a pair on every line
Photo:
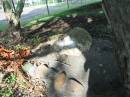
101, 62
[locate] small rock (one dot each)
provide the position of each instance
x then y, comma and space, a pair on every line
79, 34
90, 20
100, 65
29, 68
104, 71
41, 72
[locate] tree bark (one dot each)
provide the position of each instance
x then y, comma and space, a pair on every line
13, 15
118, 13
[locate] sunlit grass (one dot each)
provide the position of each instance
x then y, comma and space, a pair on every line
36, 20
78, 11
3, 26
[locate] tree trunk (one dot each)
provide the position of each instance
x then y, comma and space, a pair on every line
118, 13
53, 1
13, 15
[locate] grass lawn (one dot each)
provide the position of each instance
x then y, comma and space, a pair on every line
3, 26
87, 10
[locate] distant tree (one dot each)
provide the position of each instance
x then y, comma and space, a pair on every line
53, 1
13, 13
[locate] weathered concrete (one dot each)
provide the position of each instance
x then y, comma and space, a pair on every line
71, 71
64, 55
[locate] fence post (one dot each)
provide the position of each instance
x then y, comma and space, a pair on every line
68, 6
48, 11
81, 2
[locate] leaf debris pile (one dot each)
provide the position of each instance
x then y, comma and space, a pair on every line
14, 81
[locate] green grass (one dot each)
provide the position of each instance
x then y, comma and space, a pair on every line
11, 79
36, 20
8, 91
84, 10
93, 9
3, 27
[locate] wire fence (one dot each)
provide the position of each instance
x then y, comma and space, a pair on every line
58, 5
49, 7
36, 8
